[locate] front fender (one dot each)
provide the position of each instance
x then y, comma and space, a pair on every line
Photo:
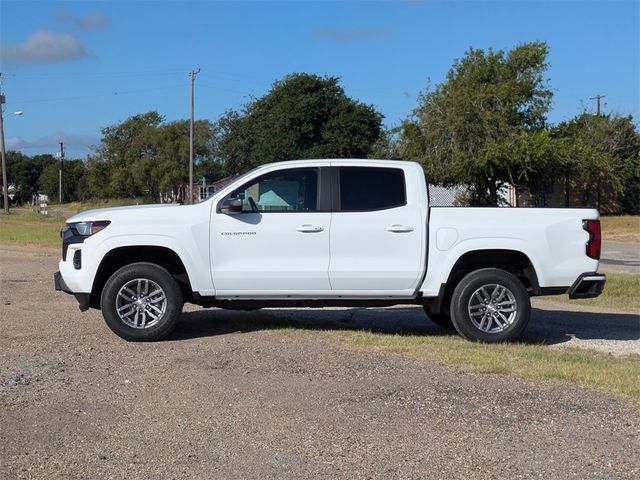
194, 260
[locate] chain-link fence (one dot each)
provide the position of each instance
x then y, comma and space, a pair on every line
461, 196
456, 196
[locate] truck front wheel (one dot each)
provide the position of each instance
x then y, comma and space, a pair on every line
490, 305
141, 302
441, 319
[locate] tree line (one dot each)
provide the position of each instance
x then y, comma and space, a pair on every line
485, 126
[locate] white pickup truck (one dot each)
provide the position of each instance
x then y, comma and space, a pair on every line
316, 233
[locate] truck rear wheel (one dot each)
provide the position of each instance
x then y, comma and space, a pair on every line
141, 302
490, 305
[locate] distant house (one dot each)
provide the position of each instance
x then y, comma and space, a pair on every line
209, 185
11, 193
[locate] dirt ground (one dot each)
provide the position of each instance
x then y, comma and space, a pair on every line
228, 396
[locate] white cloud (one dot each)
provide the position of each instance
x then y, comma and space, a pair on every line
42, 46
350, 35
53, 142
13, 143
89, 21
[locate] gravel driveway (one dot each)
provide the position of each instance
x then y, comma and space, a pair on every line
227, 397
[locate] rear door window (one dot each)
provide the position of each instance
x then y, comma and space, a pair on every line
371, 188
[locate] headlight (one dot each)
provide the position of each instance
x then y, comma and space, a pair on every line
86, 229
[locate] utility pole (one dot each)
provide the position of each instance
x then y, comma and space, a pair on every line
5, 186
192, 74
597, 99
60, 173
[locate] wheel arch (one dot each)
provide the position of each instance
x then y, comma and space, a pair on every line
121, 256
515, 262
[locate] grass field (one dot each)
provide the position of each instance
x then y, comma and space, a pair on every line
612, 373
26, 228
582, 367
624, 228
621, 292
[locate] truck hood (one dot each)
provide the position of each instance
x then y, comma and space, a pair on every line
120, 212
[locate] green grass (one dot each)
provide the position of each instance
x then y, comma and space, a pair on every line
583, 367
26, 227
623, 228
30, 229
611, 373
621, 292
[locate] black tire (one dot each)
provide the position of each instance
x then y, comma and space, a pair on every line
441, 319
155, 314
490, 305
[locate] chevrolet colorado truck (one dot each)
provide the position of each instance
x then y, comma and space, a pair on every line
316, 233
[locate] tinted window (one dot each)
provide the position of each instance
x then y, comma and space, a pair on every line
294, 190
363, 188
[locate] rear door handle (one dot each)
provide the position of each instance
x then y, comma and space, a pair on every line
399, 228
309, 229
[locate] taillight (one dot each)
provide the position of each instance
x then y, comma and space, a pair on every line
595, 238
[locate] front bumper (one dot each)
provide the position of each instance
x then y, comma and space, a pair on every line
588, 285
60, 284
84, 299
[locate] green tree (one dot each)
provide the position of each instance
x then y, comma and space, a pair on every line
123, 146
482, 125
605, 150
630, 197
172, 169
24, 171
98, 178
388, 145
144, 156
302, 116
73, 181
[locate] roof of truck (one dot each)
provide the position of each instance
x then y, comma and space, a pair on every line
360, 161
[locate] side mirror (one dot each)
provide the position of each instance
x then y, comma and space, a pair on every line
231, 206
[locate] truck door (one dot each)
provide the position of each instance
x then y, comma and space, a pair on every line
279, 243
377, 232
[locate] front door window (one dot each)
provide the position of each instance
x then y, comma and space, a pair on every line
293, 190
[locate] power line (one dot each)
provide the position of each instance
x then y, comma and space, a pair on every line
134, 73
97, 95
96, 75
222, 89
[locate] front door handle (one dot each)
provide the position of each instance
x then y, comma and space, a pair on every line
309, 229
399, 228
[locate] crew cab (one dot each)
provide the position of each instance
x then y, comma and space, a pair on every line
314, 233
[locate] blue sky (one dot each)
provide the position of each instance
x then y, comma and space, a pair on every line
74, 67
